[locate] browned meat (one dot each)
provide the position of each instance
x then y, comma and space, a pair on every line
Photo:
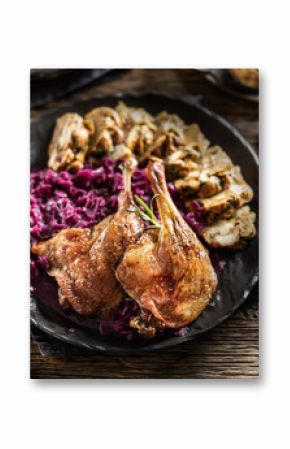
69, 143
83, 260
82, 285
168, 271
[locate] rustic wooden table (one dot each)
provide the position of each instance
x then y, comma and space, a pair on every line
231, 350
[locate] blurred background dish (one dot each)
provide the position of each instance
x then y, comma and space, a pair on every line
248, 78
243, 83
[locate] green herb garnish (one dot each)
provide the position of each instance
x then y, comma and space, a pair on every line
147, 213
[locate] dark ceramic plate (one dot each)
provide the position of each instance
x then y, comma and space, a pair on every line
241, 270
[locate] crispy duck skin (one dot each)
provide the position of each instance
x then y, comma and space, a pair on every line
83, 260
168, 271
70, 257
69, 143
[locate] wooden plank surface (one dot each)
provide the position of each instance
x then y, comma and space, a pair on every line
229, 351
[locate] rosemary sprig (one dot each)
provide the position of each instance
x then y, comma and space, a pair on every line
152, 199
147, 214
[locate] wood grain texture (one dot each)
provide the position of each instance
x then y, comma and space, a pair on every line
229, 351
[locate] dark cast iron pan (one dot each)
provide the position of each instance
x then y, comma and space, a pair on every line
241, 271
